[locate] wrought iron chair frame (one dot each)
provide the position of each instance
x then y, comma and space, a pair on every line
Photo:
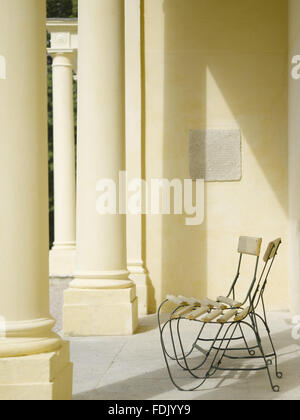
218, 343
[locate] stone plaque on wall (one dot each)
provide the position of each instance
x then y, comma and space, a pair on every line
215, 155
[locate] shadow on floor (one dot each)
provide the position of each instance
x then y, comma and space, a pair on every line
242, 385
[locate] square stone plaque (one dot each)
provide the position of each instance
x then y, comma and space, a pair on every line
215, 155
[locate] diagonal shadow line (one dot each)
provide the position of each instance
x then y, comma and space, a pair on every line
155, 383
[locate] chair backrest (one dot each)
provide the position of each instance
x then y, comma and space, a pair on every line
269, 258
250, 246
272, 249
247, 246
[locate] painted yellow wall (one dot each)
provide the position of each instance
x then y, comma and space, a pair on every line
294, 155
216, 64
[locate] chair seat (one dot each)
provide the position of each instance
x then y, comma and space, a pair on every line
227, 316
212, 315
184, 311
222, 310
242, 315
230, 302
197, 312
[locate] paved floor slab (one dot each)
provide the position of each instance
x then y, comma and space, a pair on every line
133, 368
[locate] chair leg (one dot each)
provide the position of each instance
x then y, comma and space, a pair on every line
216, 366
206, 353
213, 367
187, 368
275, 388
167, 357
162, 332
250, 352
265, 324
180, 388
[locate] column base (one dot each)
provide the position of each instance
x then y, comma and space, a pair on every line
100, 312
141, 282
46, 376
62, 262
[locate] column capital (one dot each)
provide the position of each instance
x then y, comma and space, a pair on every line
63, 39
63, 33
62, 58
54, 52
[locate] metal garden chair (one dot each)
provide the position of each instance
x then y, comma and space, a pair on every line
230, 317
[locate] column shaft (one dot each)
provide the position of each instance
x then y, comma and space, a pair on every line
133, 72
101, 263
63, 252
25, 327
23, 166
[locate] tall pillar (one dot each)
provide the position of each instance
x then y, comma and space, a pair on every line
136, 266
294, 153
101, 299
62, 255
34, 362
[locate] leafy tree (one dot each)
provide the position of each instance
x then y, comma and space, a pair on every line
75, 8
50, 153
59, 8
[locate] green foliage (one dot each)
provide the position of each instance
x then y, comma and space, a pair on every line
75, 8
57, 9
50, 153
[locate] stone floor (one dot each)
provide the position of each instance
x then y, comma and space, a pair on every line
57, 287
132, 368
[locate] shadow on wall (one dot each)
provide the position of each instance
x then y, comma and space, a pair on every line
151, 301
224, 67
184, 248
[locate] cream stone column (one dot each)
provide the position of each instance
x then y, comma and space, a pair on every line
62, 255
34, 362
294, 153
101, 300
135, 263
